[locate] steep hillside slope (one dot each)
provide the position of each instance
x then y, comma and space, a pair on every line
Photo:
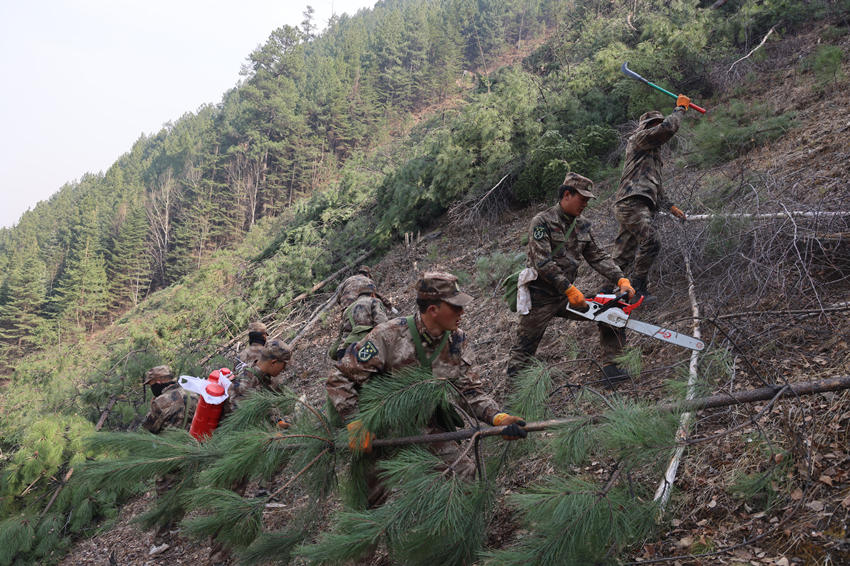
760, 484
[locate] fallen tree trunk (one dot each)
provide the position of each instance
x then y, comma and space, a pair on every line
767, 215
710, 402
300, 297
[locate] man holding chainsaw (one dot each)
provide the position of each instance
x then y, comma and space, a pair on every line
558, 240
640, 194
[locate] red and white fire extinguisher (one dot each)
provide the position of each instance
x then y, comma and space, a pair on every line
212, 394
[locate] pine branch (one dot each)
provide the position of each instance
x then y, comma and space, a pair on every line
710, 402
231, 519
403, 402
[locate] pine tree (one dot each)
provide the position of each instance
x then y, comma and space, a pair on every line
24, 295
130, 265
83, 290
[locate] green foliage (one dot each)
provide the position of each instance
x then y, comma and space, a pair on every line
573, 523
737, 128
627, 430
271, 548
232, 520
631, 361
530, 396
403, 403
16, 536
825, 63
492, 269
432, 519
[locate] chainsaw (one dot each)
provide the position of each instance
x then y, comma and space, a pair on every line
616, 311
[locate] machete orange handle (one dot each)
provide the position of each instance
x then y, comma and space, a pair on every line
697, 108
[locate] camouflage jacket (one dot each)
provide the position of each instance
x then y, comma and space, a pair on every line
246, 380
389, 347
169, 409
642, 169
365, 311
556, 259
350, 289
250, 354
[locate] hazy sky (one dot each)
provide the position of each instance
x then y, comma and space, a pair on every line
83, 79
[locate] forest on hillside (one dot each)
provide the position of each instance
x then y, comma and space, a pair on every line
348, 142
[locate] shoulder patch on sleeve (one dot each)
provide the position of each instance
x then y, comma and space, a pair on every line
367, 352
539, 232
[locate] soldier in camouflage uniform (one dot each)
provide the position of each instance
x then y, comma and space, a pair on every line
257, 336
431, 339
349, 289
259, 375
171, 406
640, 194
366, 312
558, 241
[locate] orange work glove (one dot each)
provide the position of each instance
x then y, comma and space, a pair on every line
512, 426
683, 101
626, 287
575, 297
677, 212
359, 439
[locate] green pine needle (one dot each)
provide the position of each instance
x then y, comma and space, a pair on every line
403, 402
271, 548
231, 519
531, 393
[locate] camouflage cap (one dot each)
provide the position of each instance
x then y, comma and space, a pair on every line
366, 287
257, 327
442, 286
276, 350
159, 373
365, 270
580, 184
648, 118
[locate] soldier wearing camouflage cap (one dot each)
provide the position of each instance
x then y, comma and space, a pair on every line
171, 404
640, 194
257, 336
366, 312
431, 339
272, 360
558, 241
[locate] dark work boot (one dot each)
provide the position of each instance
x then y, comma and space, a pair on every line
639, 284
614, 375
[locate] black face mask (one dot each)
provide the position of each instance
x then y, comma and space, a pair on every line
256, 338
158, 388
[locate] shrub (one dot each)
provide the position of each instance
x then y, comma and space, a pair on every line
492, 269
736, 129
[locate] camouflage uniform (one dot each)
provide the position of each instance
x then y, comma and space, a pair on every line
257, 334
365, 311
249, 378
350, 289
250, 354
389, 347
640, 193
172, 408
556, 259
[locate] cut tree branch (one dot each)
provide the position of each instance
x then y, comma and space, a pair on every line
711, 402
754, 49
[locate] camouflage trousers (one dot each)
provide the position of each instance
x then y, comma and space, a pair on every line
450, 453
637, 240
533, 325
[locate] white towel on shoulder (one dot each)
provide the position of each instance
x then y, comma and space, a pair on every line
523, 295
